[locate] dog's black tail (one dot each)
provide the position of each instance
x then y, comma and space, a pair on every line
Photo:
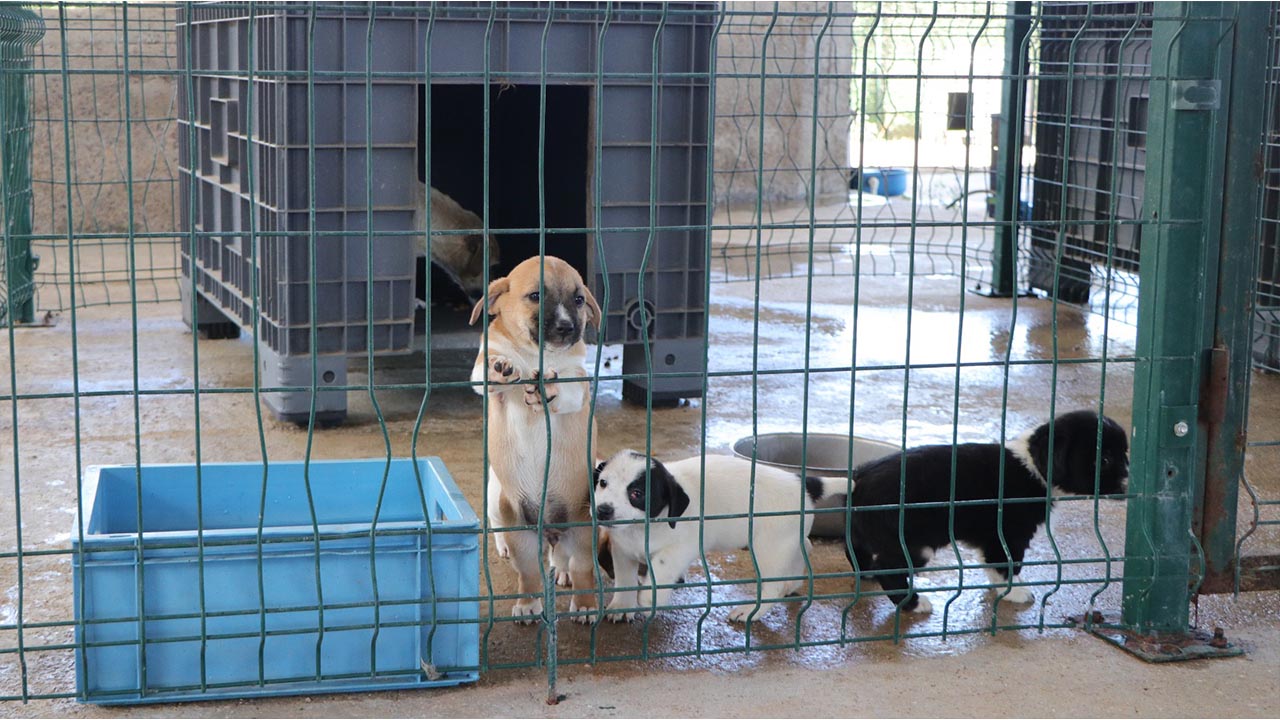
819, 488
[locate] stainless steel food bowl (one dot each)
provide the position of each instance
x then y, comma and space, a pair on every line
827, 455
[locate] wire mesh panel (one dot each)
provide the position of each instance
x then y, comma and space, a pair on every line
1258, 546
898, 161
104, 160
1091, 115
780, 211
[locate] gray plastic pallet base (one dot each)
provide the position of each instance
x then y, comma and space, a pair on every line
668, 356
296, 371
213, 322
279, 370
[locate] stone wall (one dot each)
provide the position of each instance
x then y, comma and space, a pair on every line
798, 157
111, 142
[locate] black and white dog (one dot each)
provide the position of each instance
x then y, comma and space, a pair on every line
879, 532
779, 535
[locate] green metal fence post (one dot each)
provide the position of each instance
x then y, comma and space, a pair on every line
1190, 67
1225, 398
1013, 106
20, 30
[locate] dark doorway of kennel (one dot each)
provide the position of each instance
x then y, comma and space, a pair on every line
457, 159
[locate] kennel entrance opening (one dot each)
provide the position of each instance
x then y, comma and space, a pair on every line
458, 169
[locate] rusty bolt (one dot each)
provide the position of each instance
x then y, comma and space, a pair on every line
1219, 639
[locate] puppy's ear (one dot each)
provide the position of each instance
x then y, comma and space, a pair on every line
1062, 448
495, 253
593, 308
604, 554
1120, 438
676, 500
496, 290
475, 254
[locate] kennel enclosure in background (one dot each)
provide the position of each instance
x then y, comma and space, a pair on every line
311, 102
253, 168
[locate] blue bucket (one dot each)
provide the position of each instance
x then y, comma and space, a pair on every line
890, 182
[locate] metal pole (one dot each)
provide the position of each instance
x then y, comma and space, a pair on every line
22, 29
1009, 177
1191, 66
1226, 393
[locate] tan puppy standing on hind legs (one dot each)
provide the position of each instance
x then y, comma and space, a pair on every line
518, 418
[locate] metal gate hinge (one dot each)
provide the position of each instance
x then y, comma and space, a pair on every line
1217, 384
1196, 94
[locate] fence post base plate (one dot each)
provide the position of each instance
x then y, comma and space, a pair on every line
1194, 644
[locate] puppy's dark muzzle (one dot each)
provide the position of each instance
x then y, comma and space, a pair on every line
604, 513
559, 335
563, 333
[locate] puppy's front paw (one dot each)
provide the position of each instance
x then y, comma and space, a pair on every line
740, 613
562, 578
589, 615
504, 550
622, 616
1020, 596
620, 613
923, 606
527, 612
533, 397
502, 371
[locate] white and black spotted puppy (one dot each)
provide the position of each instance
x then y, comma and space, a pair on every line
672, 492
879, 531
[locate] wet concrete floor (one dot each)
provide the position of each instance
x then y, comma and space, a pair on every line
850, 662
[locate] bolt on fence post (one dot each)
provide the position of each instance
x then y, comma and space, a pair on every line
1190, 49
1013, 105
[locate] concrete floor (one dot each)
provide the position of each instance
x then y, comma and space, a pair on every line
1025, 672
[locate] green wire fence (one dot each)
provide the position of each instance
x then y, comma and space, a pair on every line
1257, 559
905, 222
83, 90
21, 30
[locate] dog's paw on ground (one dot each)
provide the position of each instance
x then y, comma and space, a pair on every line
621, 616
923, 606
740, 613
527, 612
504, 550
1020, 596
590, 615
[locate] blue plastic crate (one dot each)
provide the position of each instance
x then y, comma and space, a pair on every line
427, 583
